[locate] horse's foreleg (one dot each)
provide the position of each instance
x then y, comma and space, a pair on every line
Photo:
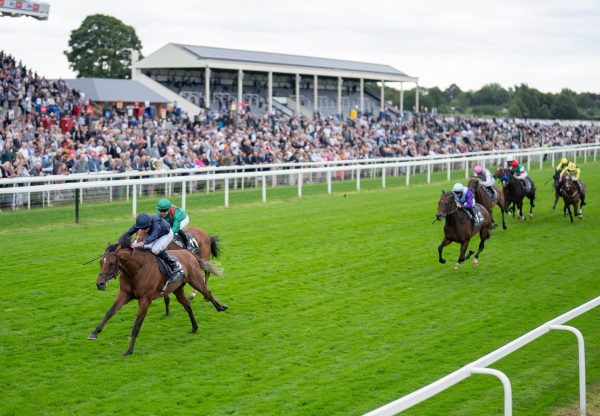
122, 299
444, 243
143, 305
556, 198
520, 208
167, 302
531, 206
502, 211
461, 257
186, 305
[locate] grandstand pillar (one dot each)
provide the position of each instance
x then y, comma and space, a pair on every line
382, 95
339, 96
417, 98
401, 97
240, 88
207, 87
297, 93
270, 91
362, 95
316, 94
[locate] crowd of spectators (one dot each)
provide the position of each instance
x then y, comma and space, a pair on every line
49, 129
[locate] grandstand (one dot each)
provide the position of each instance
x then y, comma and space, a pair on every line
20, 8
217, 78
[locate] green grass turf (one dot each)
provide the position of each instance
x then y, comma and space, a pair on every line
337, 306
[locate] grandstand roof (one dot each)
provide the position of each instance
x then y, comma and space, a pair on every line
112, 90
175, 55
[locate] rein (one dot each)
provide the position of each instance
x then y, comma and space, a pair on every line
94, 259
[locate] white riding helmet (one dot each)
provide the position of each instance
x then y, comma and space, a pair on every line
509, 158
458, 188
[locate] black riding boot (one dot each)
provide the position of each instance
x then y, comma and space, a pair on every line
175, 271
184, 238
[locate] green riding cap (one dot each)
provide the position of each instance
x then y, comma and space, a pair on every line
163, 204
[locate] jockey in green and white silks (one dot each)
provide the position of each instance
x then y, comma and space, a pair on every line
176, 217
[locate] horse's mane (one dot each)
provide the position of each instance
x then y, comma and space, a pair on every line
111, 248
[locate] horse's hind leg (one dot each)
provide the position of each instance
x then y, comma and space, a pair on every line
201, 287
531, 205
186, 305
121, 300
483, 235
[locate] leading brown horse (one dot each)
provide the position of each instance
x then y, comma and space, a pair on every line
141, 279
571, 197
484, 198
459, 228
207, 247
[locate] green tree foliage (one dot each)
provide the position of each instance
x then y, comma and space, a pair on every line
100, 48
491, 94
564, 106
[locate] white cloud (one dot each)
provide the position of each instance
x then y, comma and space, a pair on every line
548, 45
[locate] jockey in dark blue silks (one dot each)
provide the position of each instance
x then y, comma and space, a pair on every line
159, 237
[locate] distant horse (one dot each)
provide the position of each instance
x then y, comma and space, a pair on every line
483, 197
459, 228
207, 245
570, 194
556, 180
141, 279
514, 192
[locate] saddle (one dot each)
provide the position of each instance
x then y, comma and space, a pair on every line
192, 243
164, 268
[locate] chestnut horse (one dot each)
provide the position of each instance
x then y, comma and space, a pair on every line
459, 228
484, 198
140, 278
207, 247
514, 192
570, 194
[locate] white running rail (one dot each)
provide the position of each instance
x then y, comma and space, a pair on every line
481, 365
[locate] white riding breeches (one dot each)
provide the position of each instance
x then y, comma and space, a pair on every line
161, 243
184, 223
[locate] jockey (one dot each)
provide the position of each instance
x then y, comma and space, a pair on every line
509, 160
176, 217
464, 198
520, 173
485, 177
159, 237
564, 162
573, 171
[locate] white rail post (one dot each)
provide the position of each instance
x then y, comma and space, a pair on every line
264, 188
226, 193
581, 348
357, 179
300, 180
505, 382
183, 190
273, 181
134, 203
126, 190
585, 156
541, 161
553, 155
528, 162
329, 182
466, 169
429, 173
407, 175
448, 168
383, 177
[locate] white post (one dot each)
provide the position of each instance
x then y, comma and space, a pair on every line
227, 193
183, 190
407, 175
339, 96
134, 202
358, 179
466, 169
207, 87
270, 92
264, 189
585, 156
297, 93
240, 89
417, 97
429, 173
300, 180
528, 162
401, 98
362, 95
382, 95
316, 93
383, 177
329, 182
553, 154
541, 161
505, 382
581, 349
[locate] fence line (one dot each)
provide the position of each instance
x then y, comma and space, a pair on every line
295, 174
480, 367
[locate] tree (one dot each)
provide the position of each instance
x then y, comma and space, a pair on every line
100, 48
564, 107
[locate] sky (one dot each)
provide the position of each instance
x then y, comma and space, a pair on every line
548, 45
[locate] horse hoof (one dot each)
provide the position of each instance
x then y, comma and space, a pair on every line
222, 308
92, 337
530, 216
126, 353
457, 266
442, 261
194, 330
475, 263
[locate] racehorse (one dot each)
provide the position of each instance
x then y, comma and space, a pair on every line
570, 194
207, 245
459, 228
483, 197
141, 279
556, 180
514, 192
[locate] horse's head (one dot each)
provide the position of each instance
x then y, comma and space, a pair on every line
567, 184
473, 184
141, 235
109, 267
446, 205
499, 172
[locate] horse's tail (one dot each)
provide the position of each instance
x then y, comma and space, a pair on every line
214, 246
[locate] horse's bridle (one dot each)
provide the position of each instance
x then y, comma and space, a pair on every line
107, 278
